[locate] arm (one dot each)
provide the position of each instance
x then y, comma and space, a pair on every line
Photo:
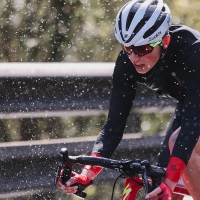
123, 94
190, 109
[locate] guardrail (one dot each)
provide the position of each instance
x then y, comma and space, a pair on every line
30, 166
50, 89
55, 89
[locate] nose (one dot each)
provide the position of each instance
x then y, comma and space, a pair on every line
133, 57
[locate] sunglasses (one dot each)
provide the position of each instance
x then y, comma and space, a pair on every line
141, 50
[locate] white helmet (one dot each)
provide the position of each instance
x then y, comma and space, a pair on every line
141, 22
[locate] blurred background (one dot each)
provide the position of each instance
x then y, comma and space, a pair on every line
71, 31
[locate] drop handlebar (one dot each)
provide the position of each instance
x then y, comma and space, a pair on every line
151, 175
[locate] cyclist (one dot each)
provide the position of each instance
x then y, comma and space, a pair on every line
166, 59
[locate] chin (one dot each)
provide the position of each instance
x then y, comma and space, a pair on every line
142, 71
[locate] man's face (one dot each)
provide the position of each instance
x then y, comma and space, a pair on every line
144, 63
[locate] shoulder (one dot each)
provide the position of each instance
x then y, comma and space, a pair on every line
183, 40
182, 31
123, 62
192, 59
123, 66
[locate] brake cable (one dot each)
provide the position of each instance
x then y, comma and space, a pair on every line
122, 175
115, 185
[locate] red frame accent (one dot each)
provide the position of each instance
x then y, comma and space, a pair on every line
180, 189
131, 188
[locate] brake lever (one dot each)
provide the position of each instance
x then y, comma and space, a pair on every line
159, 174
146, 185
57, 175
80, 191
67, 169
66, 166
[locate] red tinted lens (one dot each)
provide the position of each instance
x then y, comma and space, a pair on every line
142, 50
128, 49
139, 50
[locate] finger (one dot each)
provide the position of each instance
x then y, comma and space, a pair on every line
67, 189
164, 195
71, 190
154, 193
160, 196
59, 182
71, 181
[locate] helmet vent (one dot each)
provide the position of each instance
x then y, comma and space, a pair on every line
155, 27
131, 15
140, 25
147, 15
163, 9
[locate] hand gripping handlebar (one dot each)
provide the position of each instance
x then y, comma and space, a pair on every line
151, 175
66, 165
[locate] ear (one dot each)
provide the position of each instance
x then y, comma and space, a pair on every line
166, 41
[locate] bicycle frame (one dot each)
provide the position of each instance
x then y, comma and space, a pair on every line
131, 188
180, 189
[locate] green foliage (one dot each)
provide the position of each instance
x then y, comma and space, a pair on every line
186, 12
55, 31
83, 126
50, 128
68, 31
154, 123
77, 126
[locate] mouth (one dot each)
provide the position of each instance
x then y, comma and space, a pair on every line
139, 66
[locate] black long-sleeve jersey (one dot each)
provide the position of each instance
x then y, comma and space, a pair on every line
177, 75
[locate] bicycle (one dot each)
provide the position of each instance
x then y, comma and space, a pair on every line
139, 174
